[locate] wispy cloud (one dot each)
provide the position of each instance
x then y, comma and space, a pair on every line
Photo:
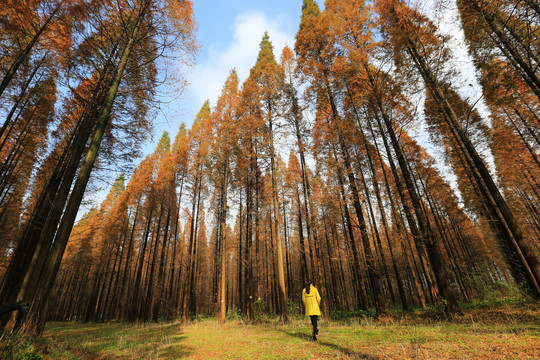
241, 53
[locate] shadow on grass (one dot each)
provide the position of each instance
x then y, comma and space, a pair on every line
345, 351
120, 341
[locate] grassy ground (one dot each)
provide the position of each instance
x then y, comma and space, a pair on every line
506, 332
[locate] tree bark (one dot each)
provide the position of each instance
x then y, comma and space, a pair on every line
282, 299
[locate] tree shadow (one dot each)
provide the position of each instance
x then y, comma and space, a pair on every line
345, 351
121, 342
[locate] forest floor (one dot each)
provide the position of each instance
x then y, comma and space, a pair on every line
510, 331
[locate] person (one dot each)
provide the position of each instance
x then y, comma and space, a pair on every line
311, 300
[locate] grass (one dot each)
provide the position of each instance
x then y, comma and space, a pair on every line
511, 331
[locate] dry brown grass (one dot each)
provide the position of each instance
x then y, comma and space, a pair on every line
504, 332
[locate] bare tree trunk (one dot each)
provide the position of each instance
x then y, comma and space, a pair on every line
525, 68
23, 56
282, 299
187, 289
370, 259
530, 264
222, 299
427, 235
356, 273
417, 235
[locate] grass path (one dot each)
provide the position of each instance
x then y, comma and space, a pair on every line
482, 334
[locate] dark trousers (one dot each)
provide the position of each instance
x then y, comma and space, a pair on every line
314, 324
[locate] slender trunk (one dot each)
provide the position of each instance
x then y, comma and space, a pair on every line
160, 283
104, 303
357, 272
384, 220
417, 236
128, 259
249, 241
376, 235
89, 308
115, 287
526, 69
23, 56
287, 247
281, 274
223, 247
370, 259
187, 289
240, 271
530, 264
172, 299
303, 258
146, 309
428, 239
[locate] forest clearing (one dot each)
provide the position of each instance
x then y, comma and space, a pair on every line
505, 331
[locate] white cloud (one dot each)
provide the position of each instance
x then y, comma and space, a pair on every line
248, 30
445, 15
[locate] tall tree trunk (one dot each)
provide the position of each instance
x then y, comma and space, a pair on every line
527, 70
171, 298
223, 246
417, 235
370, 259
187, 292
303, 257
357, 272
157, 301
240, 271
428, 238
530, 264
122, 295
146, 309
250, 251
282, 299
23, 56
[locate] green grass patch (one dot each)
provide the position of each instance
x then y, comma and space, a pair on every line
506, 332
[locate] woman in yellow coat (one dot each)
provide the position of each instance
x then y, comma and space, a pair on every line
311, 300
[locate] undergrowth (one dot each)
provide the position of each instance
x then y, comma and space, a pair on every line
15, 347
508, 329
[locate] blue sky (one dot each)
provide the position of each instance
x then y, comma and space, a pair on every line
229, 34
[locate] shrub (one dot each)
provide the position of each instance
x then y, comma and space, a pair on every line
235, 314
16, 348
260, 305
293, 309
347, 315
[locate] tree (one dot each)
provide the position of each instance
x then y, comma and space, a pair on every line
131, 25
225, 122
267, 77
201, 139
416, 45
504, 29
320, 60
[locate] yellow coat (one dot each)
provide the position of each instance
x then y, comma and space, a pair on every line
311, 301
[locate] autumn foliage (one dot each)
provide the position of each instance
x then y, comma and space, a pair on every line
311, 168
